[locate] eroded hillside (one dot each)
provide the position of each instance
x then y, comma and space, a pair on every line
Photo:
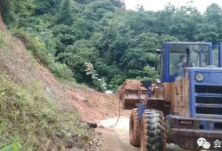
44, 109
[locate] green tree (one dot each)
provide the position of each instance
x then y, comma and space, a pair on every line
118, 3
184, 23
65, 13
213, 14
96, 10
44, 6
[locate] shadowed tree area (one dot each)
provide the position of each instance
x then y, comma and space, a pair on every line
118, 42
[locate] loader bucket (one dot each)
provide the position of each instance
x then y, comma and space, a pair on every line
132, 97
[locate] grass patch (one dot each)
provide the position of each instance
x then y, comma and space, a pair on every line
33, 44
61, 71
1, 40
73, 84
42, 55
28, 117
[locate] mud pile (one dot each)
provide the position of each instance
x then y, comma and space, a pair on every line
129, 85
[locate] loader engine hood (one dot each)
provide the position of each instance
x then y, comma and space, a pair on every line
200, 89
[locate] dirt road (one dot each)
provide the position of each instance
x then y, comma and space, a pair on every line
113, 142
117, 138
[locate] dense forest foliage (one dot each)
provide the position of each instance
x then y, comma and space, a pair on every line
63, 34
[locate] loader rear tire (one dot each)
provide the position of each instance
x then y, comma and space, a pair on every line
134, 128
153, 135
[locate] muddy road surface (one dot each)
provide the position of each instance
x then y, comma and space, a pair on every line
116, 138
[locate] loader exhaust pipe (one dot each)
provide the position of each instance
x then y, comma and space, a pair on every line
188, 57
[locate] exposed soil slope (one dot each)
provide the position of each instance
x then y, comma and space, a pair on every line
94, 106
17, 63
24, 69
21, 67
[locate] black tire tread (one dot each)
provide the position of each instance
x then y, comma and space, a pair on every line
135, 132
154, 135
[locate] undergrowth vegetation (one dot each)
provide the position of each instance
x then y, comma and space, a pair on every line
40, 52
29, 116
1, 40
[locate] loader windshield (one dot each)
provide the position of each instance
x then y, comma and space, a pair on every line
199, 56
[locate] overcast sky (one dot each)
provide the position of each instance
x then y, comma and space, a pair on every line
155, 5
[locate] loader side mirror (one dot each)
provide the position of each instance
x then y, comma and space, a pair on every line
157, 81
146, 84
158, 51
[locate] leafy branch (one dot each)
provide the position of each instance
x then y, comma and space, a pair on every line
99, 83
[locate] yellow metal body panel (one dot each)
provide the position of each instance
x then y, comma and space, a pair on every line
175, 93
180, 97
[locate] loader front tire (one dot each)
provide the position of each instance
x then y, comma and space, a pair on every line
134, 128
153, 135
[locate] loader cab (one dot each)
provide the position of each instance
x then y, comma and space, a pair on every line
176, 56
